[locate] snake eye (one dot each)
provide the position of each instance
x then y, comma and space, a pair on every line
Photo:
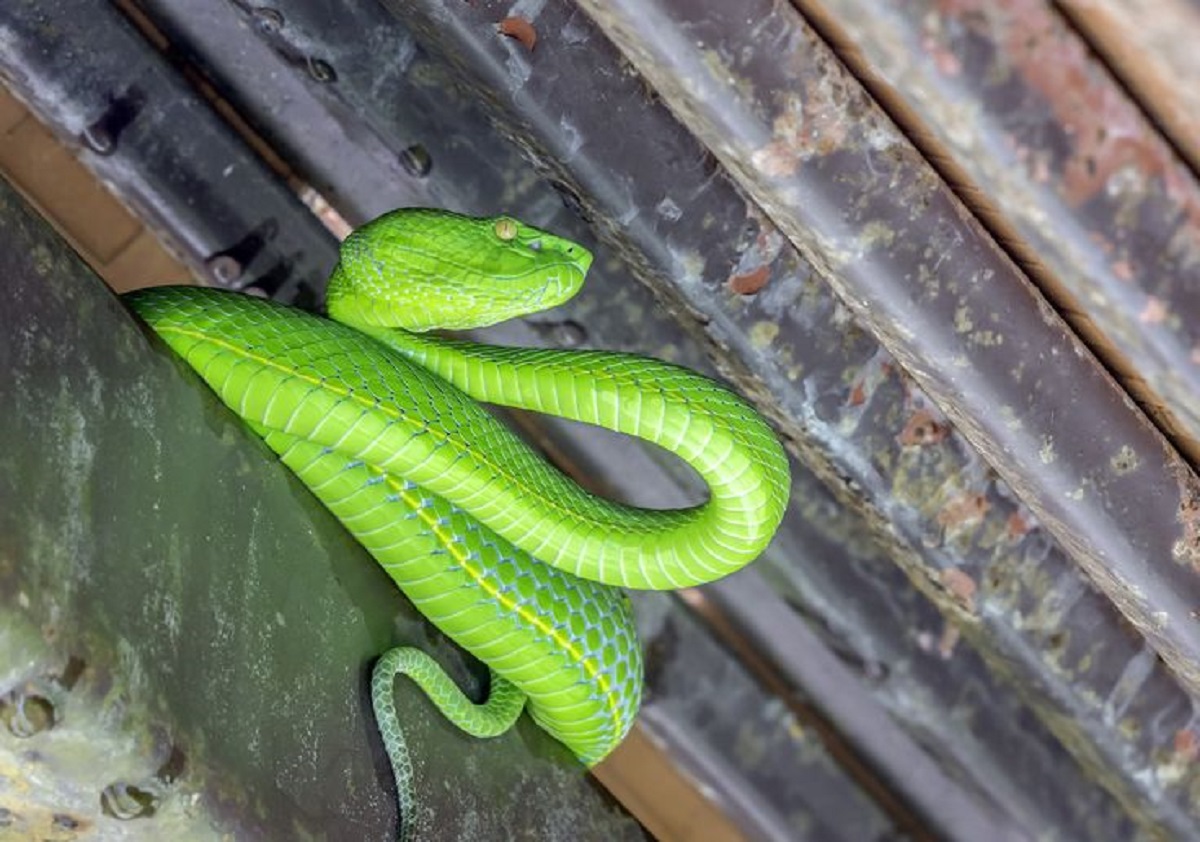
506, 229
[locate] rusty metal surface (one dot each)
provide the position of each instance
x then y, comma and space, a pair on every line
318, 84
916, 269
769, 771
1150, 45
116, 101
920, 273
1074, 177
981, 690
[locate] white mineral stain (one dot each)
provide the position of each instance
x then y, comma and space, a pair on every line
1046, 452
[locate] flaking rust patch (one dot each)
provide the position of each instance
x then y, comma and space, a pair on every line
923, 429
961, 586
520, 30
753, 269
871, 375
1107, 132
964, 511
1187, 744
782, 155
1018, 525
750, 282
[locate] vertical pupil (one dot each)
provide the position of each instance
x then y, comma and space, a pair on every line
505, 229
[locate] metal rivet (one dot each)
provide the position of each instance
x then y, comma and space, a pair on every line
225, 269
569, 334
416, 161
266, 20
321, 71
125, 801
98, 138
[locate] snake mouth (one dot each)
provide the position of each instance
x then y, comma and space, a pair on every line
560, 283
569, 282
582, 259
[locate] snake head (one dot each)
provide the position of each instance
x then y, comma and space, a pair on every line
422, 269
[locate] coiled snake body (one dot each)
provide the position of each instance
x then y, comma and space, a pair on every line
504, 554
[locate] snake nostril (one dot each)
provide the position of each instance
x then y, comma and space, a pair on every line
535, 245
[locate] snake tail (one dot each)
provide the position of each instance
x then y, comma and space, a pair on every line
490, 719
568, 643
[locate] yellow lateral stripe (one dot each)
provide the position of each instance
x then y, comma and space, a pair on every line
393, 411
477, 575
268, 362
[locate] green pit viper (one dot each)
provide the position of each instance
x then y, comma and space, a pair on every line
504, 554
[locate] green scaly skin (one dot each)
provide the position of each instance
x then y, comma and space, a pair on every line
495, 547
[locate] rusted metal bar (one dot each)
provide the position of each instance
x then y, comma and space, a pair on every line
916, 269
1041, 141
1150, 45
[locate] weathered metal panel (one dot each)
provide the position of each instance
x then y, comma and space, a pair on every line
918, 271
1069, 171
137, 123
170, 592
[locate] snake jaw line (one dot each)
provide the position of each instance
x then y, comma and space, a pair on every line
458, 272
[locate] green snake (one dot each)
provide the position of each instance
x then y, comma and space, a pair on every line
504, 554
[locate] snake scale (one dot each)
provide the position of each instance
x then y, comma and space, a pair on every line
504, 554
